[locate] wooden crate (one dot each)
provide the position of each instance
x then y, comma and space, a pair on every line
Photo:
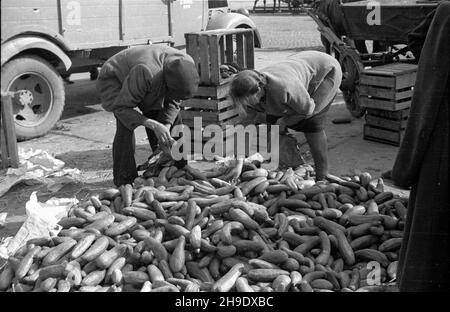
212, 105
387, 120
8, 141
387, 87
212, 48
197, 137
395, 115
381, 135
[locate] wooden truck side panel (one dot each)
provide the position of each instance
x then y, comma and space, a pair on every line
87, 24
36, 16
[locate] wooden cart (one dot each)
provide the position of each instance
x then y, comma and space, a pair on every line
387, 24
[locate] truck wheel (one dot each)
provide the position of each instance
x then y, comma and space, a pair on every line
39, 95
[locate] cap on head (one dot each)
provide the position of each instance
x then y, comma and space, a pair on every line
181, 78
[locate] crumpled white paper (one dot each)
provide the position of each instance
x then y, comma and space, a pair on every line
42, 220
36, 167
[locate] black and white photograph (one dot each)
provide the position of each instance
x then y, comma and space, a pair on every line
211, 149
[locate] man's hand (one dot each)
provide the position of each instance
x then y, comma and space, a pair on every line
162, 133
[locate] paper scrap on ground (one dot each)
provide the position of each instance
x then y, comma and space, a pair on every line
36, 167
42, 220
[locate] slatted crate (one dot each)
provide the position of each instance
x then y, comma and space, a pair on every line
395, 121
385, 126
212, 48
387, 87
383, 135
8, 142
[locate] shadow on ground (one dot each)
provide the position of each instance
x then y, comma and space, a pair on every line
78, 103
98, 159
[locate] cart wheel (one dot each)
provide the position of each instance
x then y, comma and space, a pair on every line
351, 99
351, 68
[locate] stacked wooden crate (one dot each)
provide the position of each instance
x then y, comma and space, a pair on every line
210, 50
8, 143
386, 91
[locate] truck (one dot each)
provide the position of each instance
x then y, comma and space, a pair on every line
44, 41
348, 27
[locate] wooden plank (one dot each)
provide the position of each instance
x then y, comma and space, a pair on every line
201, 103
213, 104
60, 18
221, 31
190, 114
385, 123
405, 81
9, 131
378, 72
377, 81
383, 136
222, 58
192, 49
214, 60
228, 114
383, 105
250, 50
240, 54
232, 121
385, 93
204, 60
189, 122
210, 116
395, 115
224, 104
393, 69
404, 94
229, 52
214, 92
121, 32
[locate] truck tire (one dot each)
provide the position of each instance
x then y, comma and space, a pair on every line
39, 95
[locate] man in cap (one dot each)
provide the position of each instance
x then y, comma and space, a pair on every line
295, 93
153, 79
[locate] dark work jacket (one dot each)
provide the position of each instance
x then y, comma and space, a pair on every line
134, 78
422, 164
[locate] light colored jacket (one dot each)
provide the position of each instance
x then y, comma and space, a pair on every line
293, 84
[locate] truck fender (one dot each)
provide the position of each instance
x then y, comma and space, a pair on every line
14, 46
231, 21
